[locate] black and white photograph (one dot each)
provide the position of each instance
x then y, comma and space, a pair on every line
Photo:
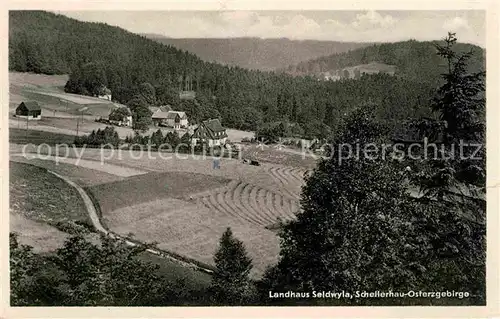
244, 158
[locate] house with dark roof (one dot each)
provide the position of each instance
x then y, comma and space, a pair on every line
159, 118
168, 118
121, 116
176, 119
30, 110
210, 132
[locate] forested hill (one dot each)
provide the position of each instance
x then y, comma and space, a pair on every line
131, 65
412, 59
256, 53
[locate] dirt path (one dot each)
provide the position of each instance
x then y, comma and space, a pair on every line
88, 204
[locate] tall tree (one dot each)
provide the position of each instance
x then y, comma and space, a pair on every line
141, 114
460, 103
230, 283
362, 229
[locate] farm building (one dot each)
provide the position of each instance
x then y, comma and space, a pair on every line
177, 119
121, 116
159, 114
29, 110
173, 119
210, 131
160, 118
106, 95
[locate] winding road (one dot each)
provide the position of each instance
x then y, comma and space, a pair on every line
89, 205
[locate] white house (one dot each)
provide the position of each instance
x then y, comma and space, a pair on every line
121, 116
211, 132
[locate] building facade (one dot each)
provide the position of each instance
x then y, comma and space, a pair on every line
30, 110
177, 119
210, 132
174, 119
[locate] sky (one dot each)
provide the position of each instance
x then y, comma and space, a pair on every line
356, 26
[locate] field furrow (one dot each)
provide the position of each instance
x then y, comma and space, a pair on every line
294, 207
256, 207
245, 202
298, 174
267, 211
285, 203
235, 200
222, 204
235, 211
275, 201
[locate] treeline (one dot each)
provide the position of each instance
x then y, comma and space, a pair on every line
157, 141
98, 55
106, 136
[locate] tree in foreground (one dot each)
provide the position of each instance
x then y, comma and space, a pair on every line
457, 177
354, 232
460, 104
230, 282
362, 229
83, 273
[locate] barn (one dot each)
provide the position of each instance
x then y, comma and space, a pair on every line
29, 110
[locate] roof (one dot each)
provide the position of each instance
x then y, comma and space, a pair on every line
162, 108
214, 125
182, 115
174, 114
211, 127
171, 115
160, 115
31, 105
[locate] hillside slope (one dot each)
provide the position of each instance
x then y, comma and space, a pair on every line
256, 53
412, 59
131, 65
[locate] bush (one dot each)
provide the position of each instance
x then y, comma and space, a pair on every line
72, 227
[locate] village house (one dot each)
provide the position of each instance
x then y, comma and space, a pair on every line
159, 114
177, 119
106, 94
163, 116
29, 110
159, 118
211, 132
121, 116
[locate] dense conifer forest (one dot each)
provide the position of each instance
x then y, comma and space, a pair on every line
44, 42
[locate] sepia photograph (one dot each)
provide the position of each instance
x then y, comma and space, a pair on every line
277, 158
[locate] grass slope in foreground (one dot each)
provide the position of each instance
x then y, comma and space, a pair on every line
41, 196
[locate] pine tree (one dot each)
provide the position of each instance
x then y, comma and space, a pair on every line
460, 102
353, 229
230, 283
361, 229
